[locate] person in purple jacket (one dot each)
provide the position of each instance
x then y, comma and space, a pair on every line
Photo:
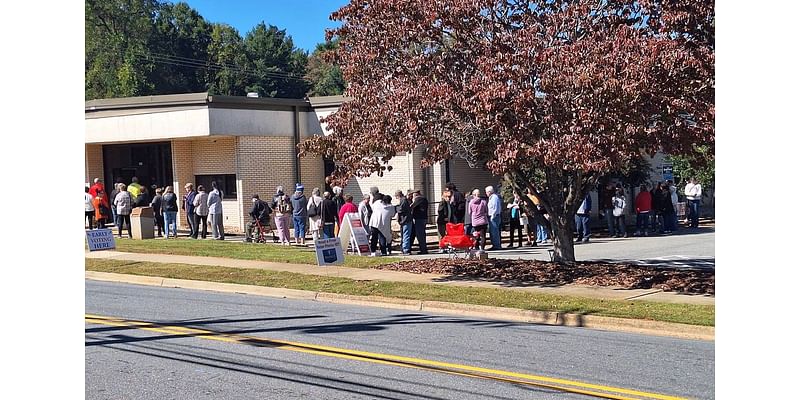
479, 214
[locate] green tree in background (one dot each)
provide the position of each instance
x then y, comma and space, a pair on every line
180, 47
325, 76
118, 35
226, 52
277, 66
149, 47
699, 164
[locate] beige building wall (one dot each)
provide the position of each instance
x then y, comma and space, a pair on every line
94, 163
466, 178
264, 163
312, 172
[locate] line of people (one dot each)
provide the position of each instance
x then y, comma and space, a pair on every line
202, 208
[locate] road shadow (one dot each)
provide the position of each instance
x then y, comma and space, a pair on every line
218, 326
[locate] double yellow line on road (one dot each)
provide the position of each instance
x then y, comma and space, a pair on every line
589, 389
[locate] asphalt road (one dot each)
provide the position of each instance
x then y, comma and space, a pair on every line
147, 342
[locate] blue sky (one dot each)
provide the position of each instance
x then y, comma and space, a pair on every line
304, 20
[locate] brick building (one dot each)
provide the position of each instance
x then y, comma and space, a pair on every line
247, 145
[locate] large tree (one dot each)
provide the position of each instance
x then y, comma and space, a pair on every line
325, 77
574, 89
275, 66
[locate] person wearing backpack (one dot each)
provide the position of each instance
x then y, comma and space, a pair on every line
299, 214
282, 205
314, 209
169, 206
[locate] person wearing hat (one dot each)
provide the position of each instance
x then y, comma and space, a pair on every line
299, 214
260, 212
282, 205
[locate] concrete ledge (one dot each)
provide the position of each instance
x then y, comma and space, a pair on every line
475, 310
373, 301
646, 327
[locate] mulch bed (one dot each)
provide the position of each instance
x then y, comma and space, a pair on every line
627, 276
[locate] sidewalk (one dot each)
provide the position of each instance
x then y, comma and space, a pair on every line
609, 293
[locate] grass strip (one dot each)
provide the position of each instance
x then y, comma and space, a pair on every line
679, 313
238, 250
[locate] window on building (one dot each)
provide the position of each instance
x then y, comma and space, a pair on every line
225, 183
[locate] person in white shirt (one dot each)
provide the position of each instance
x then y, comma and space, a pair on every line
89, 207
694, 193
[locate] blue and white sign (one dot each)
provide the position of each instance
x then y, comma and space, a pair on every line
666, 172
100, 239
329, 251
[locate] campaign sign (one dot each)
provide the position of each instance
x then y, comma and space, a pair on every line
329, 251
666, 172
353, 232
100, 239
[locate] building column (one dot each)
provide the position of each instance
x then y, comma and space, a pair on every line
182, 172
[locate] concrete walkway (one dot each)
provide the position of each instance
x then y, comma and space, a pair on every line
610, 293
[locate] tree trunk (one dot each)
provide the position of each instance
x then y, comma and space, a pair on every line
564, 247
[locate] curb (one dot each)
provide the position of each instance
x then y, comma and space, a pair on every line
654, 328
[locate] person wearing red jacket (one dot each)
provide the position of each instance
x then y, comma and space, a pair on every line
98, 187
347, 207
644, 206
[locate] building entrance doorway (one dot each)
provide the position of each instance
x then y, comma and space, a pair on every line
151, 163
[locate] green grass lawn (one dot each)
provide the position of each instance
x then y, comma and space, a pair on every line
239, 250
680, 313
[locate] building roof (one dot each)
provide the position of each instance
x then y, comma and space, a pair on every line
216, 101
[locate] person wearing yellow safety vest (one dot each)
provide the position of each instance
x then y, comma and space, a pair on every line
135, 189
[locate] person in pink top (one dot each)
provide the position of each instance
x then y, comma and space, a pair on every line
644, 205
347, 207
479, 214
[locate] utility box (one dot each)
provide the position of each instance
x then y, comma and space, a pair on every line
142, 223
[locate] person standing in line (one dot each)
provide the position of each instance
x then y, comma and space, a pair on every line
314, 209
365, 212
282, 205
607, 205
655, 212
169, 206
215, 212
124, 204
663, 208
329, 216
156, 204
188, 207
467, 213
419, 214
515, 221
694, 193
88, 206
98, 187
299, 214
618, 212
338, 198
495, 207
135, 189
479, 214
114, 193
348, 207
403, 211
381, 225
673, 194
444, 214
582, 219
644, 204
458, 203
200, 212
258, 213
101, 211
